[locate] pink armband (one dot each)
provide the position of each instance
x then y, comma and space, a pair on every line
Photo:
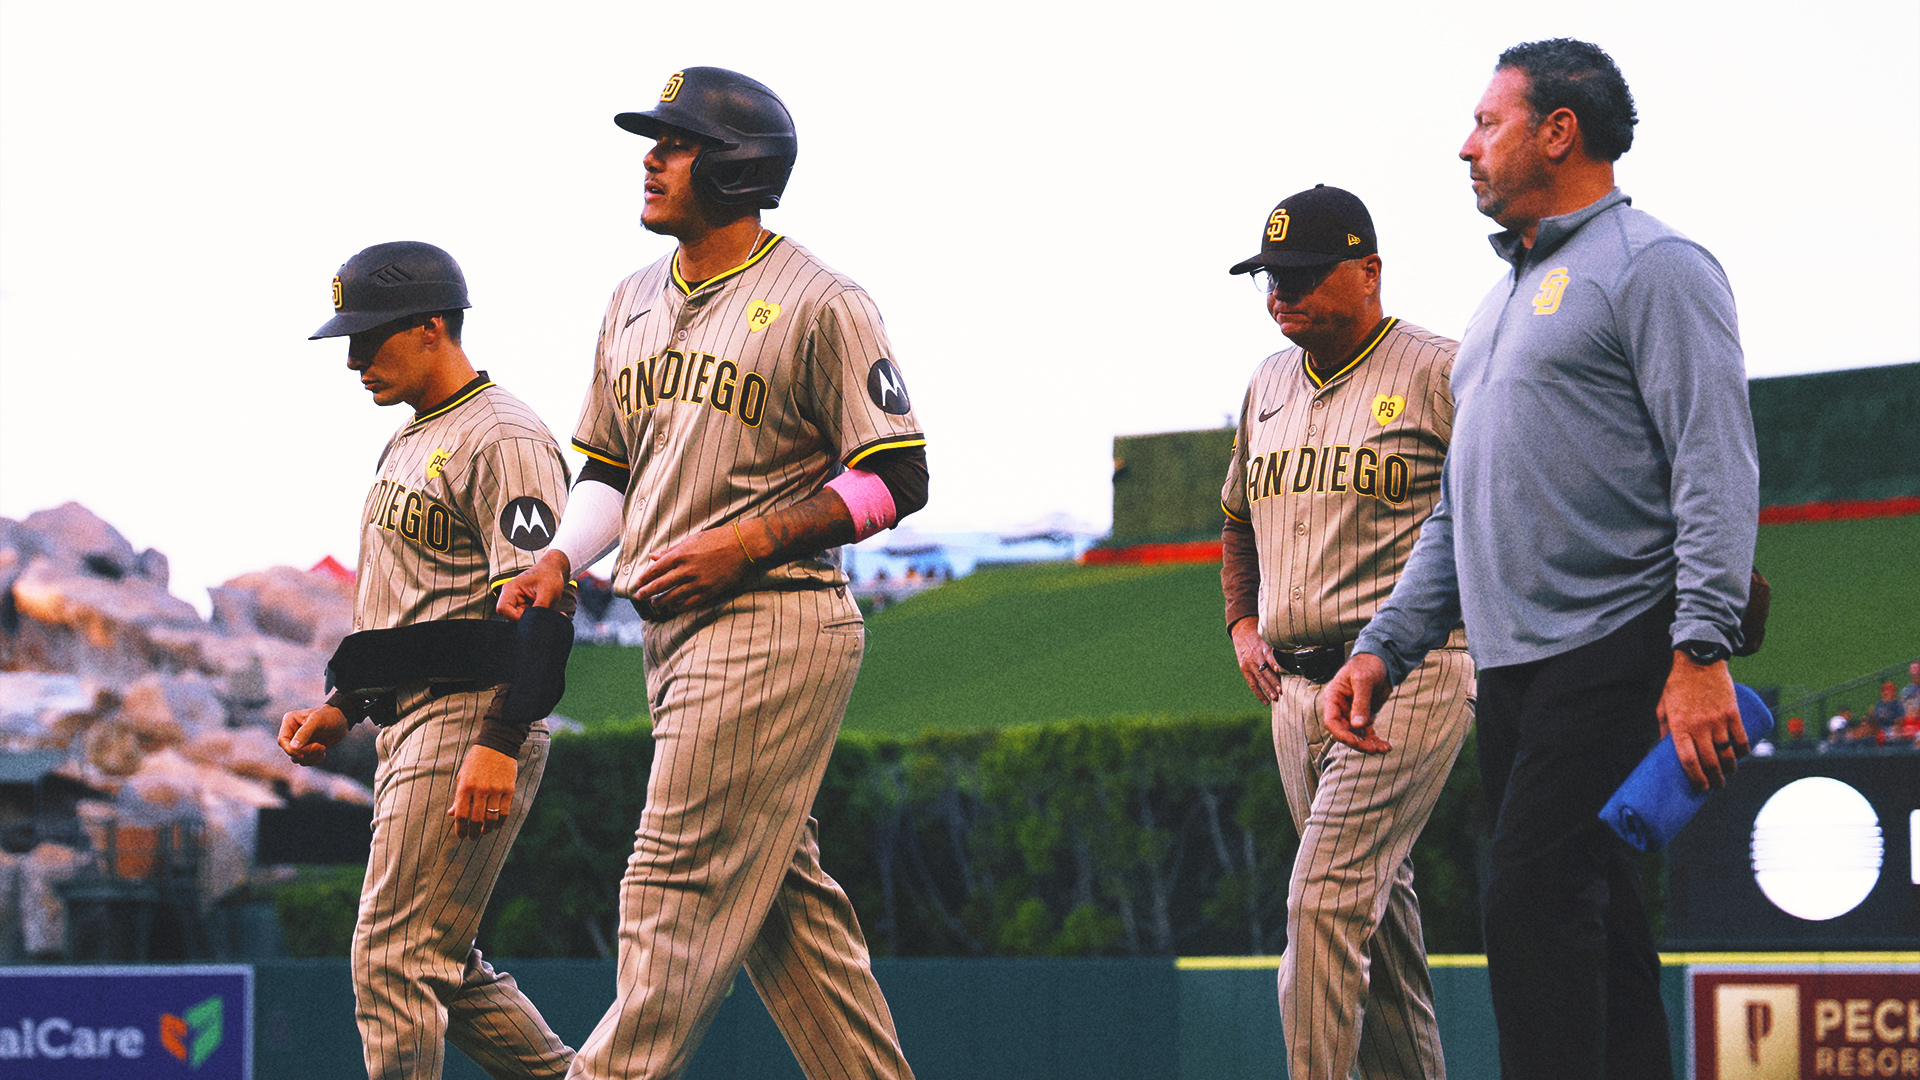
867, 499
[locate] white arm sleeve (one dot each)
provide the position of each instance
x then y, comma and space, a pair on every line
592, 525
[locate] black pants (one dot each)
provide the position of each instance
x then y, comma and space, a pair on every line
1576, 978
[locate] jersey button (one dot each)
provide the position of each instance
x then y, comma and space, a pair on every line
1296, 592
1313, 429
1301, 528
1319, 404
682, 335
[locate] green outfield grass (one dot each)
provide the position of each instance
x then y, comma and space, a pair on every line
1029, 644
605, 684
1846, 601
1014, 645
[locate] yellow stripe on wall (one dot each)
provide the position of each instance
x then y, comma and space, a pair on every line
1476, 960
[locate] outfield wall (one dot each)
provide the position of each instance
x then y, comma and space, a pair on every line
1839, 443
1087, 1019
1837, 436
1193, 1019
1731, 1015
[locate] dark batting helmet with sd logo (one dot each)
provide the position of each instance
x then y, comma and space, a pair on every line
749, 123
391, 281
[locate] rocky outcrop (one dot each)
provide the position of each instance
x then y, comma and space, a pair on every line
170, 716
76, 598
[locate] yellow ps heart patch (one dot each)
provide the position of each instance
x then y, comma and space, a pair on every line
1388, 409
760, 315
437, 463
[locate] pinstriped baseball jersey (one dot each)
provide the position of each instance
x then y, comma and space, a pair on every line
739, 397
1336, 476
467, 495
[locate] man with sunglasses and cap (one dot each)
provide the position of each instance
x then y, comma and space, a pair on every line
1335, 464
467, 492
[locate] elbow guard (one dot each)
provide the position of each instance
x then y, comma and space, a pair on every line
542, 643
536, 679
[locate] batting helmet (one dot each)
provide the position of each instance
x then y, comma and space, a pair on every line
749, 123
391, 281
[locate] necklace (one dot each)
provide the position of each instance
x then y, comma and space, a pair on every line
751, 248
755, 246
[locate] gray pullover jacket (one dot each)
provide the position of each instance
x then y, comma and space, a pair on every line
1602, 457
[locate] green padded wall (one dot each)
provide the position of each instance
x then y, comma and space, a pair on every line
1838, 435
1835, 435
1167, 487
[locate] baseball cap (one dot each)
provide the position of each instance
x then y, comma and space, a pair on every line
1318, 226
391, 281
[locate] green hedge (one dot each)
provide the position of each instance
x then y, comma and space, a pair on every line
1145, 836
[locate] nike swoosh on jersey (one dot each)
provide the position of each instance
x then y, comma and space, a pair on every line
1273, 412
634, 316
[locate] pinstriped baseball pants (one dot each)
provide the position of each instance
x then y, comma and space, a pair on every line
746, 698
1354, 988
418, 981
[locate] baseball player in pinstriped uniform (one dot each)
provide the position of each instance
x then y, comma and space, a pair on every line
1335, 465
744, 418
467, 492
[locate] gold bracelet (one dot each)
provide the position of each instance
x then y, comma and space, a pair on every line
743, 544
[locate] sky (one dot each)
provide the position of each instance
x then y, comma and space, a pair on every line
1043, 199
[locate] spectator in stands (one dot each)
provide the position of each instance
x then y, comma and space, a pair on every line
1846, 732
1911, 692
1909, 730
1859, 732
1795, 735
1886, 712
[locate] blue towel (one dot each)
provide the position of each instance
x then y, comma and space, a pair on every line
1657, 800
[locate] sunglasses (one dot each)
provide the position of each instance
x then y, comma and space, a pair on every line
369, 341
1292, 280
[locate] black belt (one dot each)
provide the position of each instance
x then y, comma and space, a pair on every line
1314, 665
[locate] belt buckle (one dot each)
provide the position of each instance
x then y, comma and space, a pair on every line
1317, 664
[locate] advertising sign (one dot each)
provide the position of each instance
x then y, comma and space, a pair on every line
1804, 852
104, 1023
1799, 1022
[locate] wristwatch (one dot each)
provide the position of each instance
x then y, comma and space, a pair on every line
1704, 653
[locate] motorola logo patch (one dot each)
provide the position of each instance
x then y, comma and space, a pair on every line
887, 389
527, 523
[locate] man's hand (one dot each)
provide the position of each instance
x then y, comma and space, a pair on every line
540, 585
1699, 710
483, 792
1256, 660
1350, 700
306, 734
696, 571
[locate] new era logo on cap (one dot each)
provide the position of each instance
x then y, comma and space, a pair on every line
1315, 227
